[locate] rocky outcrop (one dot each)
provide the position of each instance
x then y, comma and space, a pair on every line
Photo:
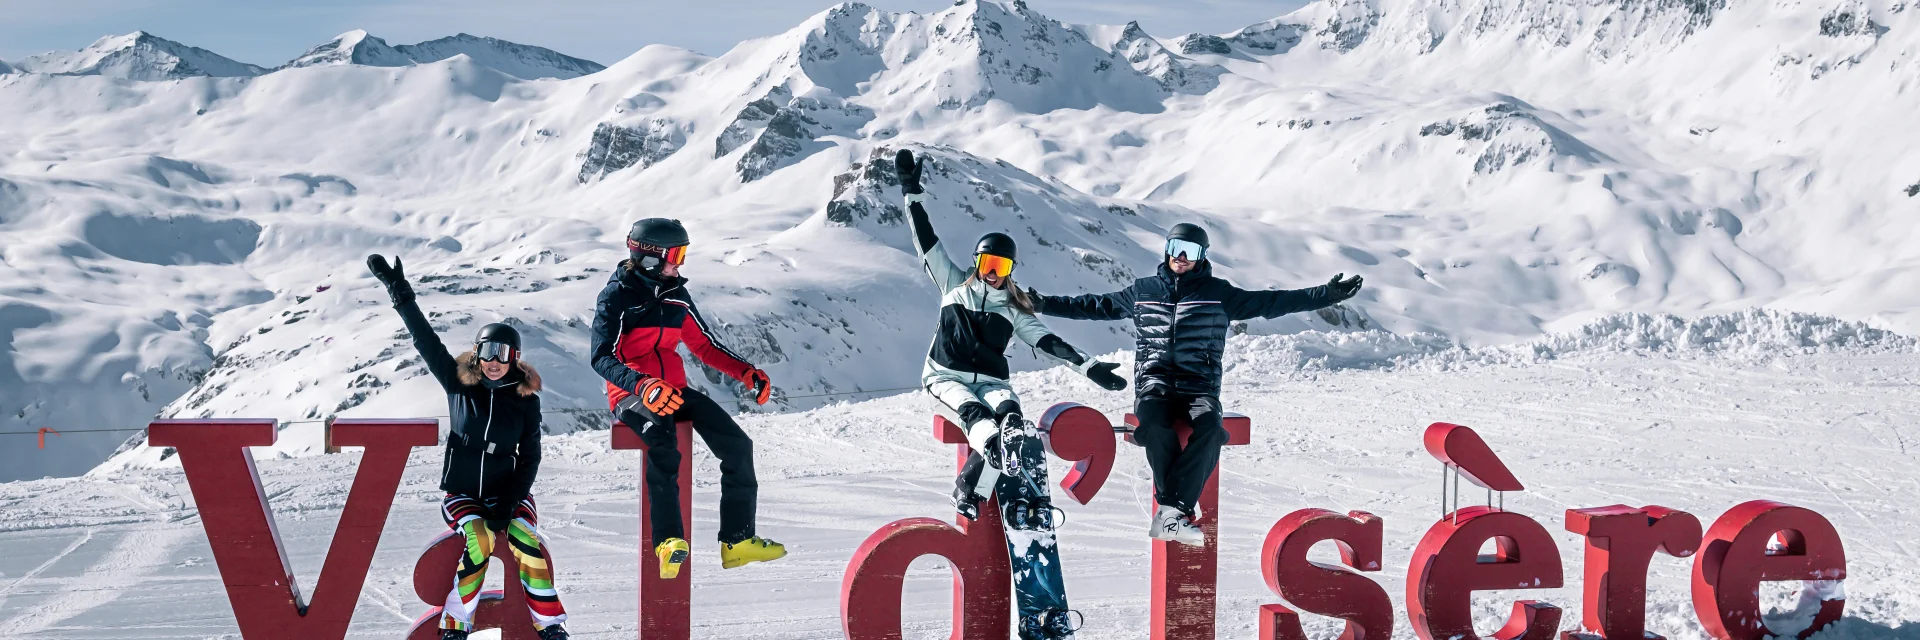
616, 147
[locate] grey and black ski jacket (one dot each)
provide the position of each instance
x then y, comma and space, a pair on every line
977, 321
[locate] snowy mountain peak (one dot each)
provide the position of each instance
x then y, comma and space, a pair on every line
519, 60
138, 56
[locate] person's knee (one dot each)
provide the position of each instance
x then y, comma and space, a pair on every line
974, 411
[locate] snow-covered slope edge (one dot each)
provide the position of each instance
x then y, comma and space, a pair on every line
518, 60
138, 56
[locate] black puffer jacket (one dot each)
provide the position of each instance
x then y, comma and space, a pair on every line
1181, 323
493, 440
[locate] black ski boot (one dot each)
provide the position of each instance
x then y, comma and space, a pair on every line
452, 634
1052, 624
967, 503
554, 632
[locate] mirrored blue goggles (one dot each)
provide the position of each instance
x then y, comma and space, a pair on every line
1177, 248
495, 352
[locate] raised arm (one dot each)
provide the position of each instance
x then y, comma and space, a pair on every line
933, 256
605, 335
1242, 304
425, 341
1093, 306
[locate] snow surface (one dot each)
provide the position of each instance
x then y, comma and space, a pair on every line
1517, 180
1831, 428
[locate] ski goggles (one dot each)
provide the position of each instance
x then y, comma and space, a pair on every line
673, 255
989, 263
1186, 250
495, 352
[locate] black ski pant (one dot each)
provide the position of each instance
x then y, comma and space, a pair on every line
739, 490
1180, 473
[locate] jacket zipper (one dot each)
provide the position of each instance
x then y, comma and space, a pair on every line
484, 434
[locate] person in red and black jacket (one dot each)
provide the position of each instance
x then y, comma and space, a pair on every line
642, 316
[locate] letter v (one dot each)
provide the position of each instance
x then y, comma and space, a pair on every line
240, 526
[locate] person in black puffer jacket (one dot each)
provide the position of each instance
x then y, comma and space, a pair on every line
491, 459
1181, 316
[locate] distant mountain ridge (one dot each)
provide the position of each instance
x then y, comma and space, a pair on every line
143, 56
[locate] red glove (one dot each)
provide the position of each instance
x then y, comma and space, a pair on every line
761, 385
659, 397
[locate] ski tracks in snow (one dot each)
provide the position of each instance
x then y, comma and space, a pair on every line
138, 552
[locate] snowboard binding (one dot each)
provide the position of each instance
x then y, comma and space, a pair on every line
1052, 624
1036, 514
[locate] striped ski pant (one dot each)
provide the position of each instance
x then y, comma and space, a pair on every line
468, 516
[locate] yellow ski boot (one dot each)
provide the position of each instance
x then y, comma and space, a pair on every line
672, 554
750, 550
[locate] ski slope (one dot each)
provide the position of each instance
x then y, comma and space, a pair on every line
1696, 416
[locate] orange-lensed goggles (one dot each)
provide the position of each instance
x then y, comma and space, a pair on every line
673, 255
988, 263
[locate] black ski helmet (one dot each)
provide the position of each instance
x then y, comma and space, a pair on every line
501, 333
665, 233
996, 244
1190, 233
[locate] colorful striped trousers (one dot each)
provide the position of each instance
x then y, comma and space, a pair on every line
468, 516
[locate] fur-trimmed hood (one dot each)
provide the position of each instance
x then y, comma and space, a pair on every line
470, 374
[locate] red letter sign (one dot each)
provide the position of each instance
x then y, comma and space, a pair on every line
1620, 544
666, 606
1447, 568
977, 551
1736, 557
1081, 434
1184, 578
1321, 589
240, 528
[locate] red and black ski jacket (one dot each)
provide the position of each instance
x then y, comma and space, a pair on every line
637, 324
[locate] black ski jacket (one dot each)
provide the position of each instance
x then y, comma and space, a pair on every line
493, 437
1181, 323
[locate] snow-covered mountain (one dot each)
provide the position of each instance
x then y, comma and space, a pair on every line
1496, 169
137, 56
517, 60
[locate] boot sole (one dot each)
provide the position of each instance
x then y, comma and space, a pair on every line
670, 568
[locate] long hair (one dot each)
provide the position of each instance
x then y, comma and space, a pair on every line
1014, 294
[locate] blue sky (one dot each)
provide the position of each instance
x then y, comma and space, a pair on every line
269, 33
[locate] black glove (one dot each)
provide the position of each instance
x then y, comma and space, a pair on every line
501, 513
1343, 289
1102, 374
393, 277
908, 171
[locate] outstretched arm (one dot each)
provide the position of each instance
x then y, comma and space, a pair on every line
425, 341
933, 256
1034, 332
698, 336
605, 336
1092, 306
1242, 304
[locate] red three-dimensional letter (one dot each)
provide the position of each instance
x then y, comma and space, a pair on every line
1447, 568
977, 551
433, 578
240, 527
1321, 589
1621, 541
666, 606
1081, 434
1181, 602
1736, 557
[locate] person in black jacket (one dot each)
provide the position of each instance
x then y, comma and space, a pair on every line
1181, 316
492, 457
